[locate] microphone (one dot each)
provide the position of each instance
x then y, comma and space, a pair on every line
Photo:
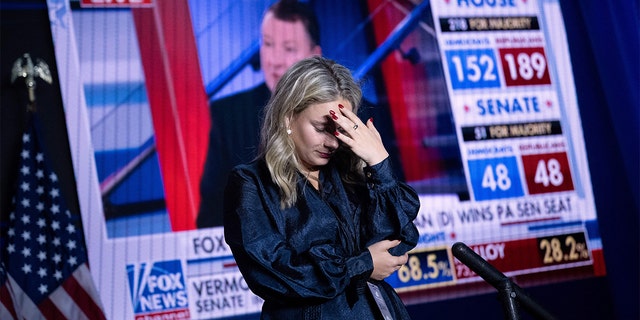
508, 290
477, 264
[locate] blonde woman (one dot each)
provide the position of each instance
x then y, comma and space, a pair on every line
318, 221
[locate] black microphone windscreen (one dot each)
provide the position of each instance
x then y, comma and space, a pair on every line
477, 264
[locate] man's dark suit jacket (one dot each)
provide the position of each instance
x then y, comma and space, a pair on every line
235, 132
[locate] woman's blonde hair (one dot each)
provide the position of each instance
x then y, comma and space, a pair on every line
310, 81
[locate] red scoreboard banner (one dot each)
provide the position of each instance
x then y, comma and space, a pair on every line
116, 3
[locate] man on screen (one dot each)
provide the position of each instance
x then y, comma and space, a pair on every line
289, 33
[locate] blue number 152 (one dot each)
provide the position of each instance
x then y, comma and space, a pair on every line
472, 69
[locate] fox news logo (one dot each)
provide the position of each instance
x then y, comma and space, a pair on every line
158, 288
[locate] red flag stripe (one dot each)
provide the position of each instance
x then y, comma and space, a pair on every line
6, 301
82, 298
84, 277
49, 310
77, 293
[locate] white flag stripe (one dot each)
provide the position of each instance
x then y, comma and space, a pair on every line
63, 301
4, 313
24, 306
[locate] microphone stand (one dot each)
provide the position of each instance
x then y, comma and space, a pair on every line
509, 293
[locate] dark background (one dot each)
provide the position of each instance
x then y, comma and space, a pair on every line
603, 40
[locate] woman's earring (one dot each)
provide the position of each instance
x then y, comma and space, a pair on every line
288, 131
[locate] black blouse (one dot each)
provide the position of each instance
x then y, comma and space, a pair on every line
311, 261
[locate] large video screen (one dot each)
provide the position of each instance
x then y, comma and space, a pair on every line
474, 100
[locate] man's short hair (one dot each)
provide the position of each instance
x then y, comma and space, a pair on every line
292, 11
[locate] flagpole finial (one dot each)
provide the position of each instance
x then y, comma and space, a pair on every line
24, 67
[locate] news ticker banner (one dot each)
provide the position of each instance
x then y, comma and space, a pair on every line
531, 210
525, 236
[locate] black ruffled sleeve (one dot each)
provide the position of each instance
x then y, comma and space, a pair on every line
392, 208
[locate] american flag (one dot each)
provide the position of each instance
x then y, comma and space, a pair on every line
44, 270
